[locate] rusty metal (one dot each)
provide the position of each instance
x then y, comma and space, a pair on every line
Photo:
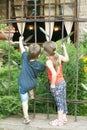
36, 19
63, 24
35, 24
9, 75
10, 21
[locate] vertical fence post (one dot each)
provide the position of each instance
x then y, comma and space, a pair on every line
9, 75
76, 94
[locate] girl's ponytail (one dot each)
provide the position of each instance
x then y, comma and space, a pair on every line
56, 61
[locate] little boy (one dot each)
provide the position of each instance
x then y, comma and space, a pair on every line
28, 75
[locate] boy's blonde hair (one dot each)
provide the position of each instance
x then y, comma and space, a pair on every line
34, 51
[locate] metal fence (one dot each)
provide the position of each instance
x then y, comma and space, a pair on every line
47, 18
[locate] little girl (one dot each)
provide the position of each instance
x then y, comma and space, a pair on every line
57, 82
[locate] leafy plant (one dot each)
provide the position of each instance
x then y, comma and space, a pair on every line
74, 74
10, 105
2, 26
43, 88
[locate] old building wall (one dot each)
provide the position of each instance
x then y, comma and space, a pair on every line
82, 13
3, 9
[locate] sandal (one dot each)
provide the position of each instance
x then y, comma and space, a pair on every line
60, 123
27, 120
65, 120
56, 122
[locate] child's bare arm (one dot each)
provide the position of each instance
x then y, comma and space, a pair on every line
22, 49
65, 56
51, 67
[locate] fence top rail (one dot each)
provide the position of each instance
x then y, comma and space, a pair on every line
8, 21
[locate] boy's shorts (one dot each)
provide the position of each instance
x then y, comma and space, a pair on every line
24, 97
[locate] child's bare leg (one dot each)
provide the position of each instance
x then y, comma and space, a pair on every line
31, 93
65, 118
25, 112
60, 115
25, 108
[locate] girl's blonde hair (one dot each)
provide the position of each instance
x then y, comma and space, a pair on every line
50, 48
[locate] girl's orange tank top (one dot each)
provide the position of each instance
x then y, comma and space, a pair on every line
59, 77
